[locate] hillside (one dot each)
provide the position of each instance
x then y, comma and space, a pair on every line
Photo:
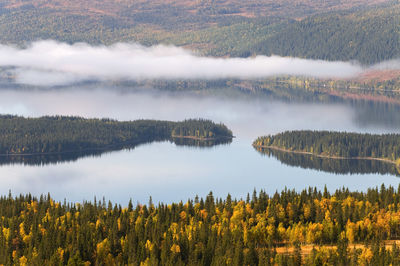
368, 36
363, 30
191, 8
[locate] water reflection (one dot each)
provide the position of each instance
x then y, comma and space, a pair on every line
173, 171
336, 166
201, 143
55, 158
246, 110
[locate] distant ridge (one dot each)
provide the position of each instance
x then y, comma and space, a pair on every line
366, 31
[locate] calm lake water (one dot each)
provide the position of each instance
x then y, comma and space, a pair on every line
172, 173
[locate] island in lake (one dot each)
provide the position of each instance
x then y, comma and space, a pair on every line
333, 145
61, 138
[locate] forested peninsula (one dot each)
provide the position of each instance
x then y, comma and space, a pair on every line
60, 134
310, 227
335, 145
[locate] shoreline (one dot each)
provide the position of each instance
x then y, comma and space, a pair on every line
327, 156
200, 139
106, 148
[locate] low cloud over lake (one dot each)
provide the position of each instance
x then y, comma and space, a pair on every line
50, 63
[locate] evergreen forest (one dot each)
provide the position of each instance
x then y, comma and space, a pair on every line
364, 31
60, 134
310, 227
335, 144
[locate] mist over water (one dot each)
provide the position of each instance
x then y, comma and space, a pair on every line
50, 63
171, 173
248, 118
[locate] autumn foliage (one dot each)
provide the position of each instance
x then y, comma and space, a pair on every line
344, 228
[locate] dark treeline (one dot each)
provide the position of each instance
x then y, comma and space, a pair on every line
336, 166
60, 134
210, 231
201, 129
339, 144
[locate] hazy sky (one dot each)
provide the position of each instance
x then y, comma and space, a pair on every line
48, 63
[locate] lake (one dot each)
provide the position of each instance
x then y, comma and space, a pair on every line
169, 172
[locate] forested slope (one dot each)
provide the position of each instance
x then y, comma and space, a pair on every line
328, 30
368, 37
188, 10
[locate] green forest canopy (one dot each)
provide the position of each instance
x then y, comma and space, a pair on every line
53, 134
339, 144
367, 34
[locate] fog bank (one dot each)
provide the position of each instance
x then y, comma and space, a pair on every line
49, 63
